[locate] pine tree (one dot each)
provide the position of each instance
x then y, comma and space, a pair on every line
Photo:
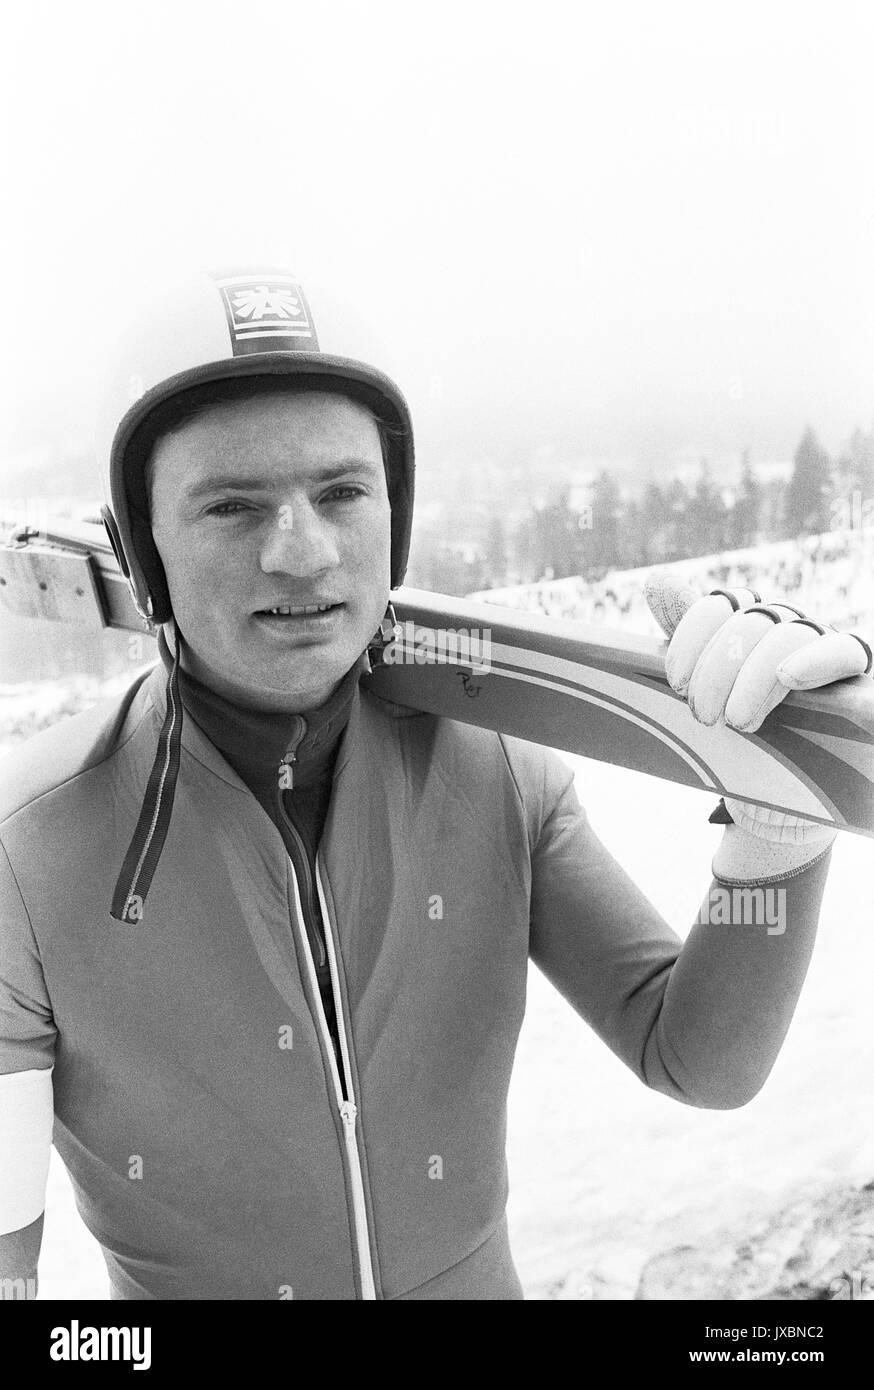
606, 520
745, 519
705, 516
856, 465
655, 527
809, 490
495, 553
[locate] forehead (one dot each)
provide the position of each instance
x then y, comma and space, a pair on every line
278, 424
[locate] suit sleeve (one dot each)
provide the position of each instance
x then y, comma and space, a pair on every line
701, 1021
27, 1047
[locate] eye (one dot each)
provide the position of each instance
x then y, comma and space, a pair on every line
225, 509
349, 490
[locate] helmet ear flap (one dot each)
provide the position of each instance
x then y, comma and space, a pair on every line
111, 528
147, 581
150, 577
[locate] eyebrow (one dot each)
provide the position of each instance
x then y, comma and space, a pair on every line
237, 482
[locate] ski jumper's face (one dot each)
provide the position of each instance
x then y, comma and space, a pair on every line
279, 501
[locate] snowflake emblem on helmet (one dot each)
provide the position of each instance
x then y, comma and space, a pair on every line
262, 300
265, 312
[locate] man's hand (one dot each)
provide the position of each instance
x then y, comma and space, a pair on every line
733, 658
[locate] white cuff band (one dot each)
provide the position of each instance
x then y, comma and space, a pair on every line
745, 859
26, 1120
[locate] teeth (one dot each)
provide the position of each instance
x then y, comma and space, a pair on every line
310, 608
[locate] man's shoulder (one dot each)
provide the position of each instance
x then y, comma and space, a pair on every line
537, 770
59, 755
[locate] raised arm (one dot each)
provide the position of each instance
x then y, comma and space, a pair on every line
701, 1021
704, 1021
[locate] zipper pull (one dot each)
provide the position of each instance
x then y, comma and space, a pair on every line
286, 776
349, 1110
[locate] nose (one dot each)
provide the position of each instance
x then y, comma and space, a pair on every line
299, 541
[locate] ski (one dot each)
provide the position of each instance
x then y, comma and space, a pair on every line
588, 690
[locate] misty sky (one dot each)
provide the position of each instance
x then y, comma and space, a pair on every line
622, 231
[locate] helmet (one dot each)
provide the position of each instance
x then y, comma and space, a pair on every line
222, 327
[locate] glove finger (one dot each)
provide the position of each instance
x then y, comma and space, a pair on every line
758, 688
832, 657
695, 629
725, 656
669, 598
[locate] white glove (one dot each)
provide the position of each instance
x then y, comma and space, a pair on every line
734, 658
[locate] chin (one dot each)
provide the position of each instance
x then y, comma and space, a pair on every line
300, 673
301, 669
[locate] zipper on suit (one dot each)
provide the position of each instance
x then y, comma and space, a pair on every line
286, 783
343, 1094
349, 1110
341, 1071
317, 942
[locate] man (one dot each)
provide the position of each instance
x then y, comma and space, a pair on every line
275, 1070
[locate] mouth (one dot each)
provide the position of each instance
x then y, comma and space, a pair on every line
287, 611
308, 618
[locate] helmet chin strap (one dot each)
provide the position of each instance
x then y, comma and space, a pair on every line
144, 851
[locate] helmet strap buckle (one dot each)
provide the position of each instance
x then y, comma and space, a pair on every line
388, 631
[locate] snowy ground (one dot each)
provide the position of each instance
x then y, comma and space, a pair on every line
606, 1176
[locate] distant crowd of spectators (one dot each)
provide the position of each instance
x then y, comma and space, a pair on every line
830, 577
